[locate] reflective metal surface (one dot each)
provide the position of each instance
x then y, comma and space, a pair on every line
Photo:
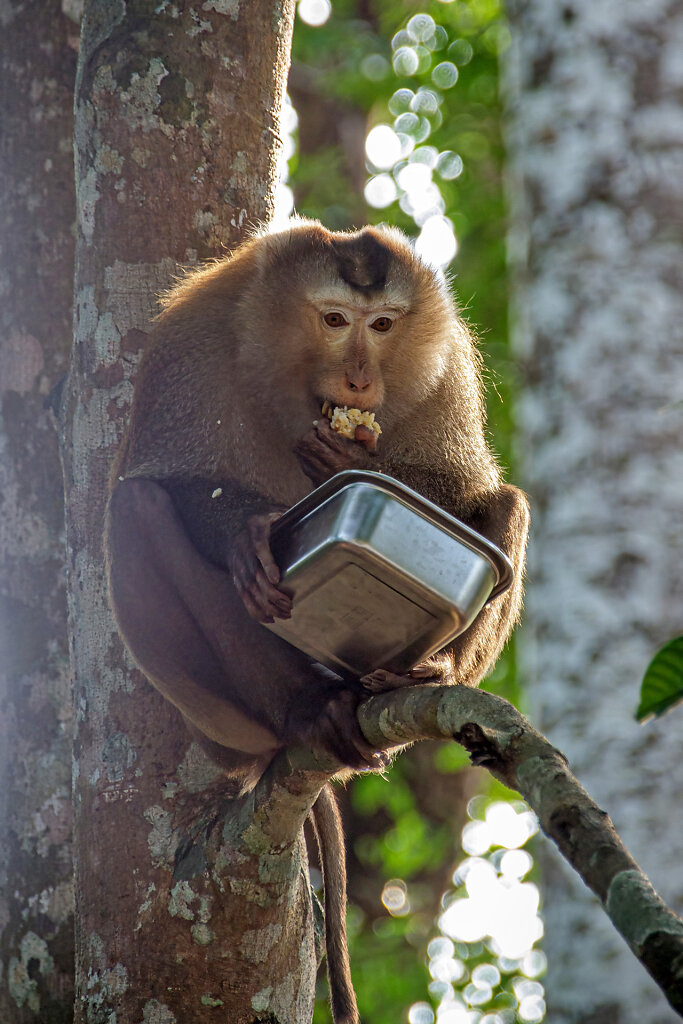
381, 577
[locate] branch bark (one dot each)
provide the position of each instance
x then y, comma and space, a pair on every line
501, 739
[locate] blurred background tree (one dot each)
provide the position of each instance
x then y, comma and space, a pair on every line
595, 162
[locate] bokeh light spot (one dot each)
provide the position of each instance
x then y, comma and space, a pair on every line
485, 975
400, 101
380, 191
534, 963
425, 101
315, 12
405, 61
421, 1013
461, 52
383, 147
449, 165
421, 27
438, 39
445, 75
375, 67
395, 897
407, 122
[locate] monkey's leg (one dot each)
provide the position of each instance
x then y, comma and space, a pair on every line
186, 627
166, 599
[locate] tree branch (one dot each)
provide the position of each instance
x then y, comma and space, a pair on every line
499, 738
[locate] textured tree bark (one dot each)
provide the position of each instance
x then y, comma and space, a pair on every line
37, 72
177, 109
594, 90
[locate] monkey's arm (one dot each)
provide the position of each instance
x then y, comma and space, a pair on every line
229, 524
503, 519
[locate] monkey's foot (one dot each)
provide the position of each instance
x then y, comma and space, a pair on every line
336, 730
436, 670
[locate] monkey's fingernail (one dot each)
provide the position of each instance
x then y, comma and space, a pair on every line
421, 670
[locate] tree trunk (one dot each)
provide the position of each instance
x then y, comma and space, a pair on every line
596, 181
177, 109
36, 282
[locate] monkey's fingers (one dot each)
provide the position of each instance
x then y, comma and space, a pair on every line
268, 597
382, 681
262, 600
319, 461
368, 438
259, 532
331, 438
319, 469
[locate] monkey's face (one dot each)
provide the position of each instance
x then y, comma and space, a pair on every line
351, 339
372, 353
359, 322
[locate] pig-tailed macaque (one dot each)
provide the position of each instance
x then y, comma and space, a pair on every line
227, 431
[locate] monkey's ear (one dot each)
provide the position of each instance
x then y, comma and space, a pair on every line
362, 259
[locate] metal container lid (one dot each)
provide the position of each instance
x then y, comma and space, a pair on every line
500, 563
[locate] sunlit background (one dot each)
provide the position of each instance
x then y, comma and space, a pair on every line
401, 165
483, 964
430, 158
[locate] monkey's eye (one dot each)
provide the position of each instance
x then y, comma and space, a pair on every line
382, 324
335, 319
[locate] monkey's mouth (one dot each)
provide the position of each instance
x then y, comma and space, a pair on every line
344, 420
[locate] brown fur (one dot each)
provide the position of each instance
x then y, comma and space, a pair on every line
237, 366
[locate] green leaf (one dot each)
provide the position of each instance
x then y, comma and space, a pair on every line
662, 685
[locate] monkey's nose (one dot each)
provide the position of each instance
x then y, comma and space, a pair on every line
358, 381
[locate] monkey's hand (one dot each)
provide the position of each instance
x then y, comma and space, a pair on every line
437, 669
255, 572
322, 452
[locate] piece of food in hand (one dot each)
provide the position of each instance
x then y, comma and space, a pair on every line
344, 420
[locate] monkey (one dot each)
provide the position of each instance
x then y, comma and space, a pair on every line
226, 433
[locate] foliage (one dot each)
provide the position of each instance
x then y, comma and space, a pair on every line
662, 686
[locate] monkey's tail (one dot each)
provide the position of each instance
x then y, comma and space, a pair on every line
328, 830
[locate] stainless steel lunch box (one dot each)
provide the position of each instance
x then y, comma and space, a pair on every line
381, 577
